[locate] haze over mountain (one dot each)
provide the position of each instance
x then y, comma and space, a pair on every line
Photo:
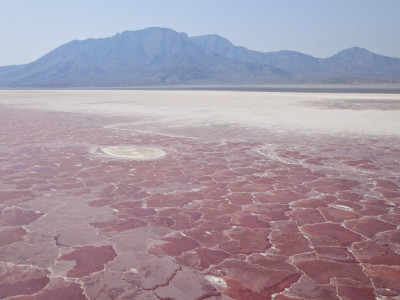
161, 56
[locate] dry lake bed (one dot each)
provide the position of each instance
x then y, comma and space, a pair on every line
199, 195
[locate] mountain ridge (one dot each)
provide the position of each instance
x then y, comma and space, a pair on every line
158, 56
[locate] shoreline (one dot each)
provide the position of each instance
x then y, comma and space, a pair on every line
290, 88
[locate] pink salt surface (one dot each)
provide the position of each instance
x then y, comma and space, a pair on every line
273, 216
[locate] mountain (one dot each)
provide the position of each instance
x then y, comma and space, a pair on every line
287, 60
350, 65
151, 56
160, 56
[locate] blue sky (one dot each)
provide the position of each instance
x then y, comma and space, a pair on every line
31, 28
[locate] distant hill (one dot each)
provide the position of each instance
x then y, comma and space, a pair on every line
350, 65
160, 56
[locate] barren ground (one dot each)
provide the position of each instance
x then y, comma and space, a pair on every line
258, 196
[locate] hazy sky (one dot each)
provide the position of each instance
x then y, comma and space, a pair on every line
31, 28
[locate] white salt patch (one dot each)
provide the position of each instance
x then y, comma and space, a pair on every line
342, 207
214, 280
209, 233
262, 109
131, 152
133, 270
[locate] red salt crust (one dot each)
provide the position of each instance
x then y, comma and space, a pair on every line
335, 215
89, 259
209, 234
345, 195
153, 274
312, 203
284, 196
369, 226
305, 288
300, 189
338, 254
370, 167
182, 221
345, 184
105, 223
379, 203
269, 212
122, 205
202, 163
390, 194
306, 216
214, 215
356, 293
392, 218
249, 221
385, 277
214, 194
387, 184
203, 258
320, 182
376, 254
167, 212
16, 217
9, 236
352, 163
275, 262
321, 271
329, 190
240, 198
15, 196
194, 215
389, 237
238, 291
246, 241
101, 202
373, 211
263, 180
328, 234
187, 284
139, 212
176, 245
255, 279
72, 291
26, 287
283, 297
123, 226
162, 222
171, 200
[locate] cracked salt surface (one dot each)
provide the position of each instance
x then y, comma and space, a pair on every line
314, 215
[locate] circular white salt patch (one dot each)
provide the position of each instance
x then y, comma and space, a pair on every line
214, 280
133, 270
130, 152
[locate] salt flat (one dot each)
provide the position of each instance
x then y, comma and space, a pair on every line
288, 111
199, 195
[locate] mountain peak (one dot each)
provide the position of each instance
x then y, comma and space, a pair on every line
158, 56
353, 51
152, 31
214, 42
